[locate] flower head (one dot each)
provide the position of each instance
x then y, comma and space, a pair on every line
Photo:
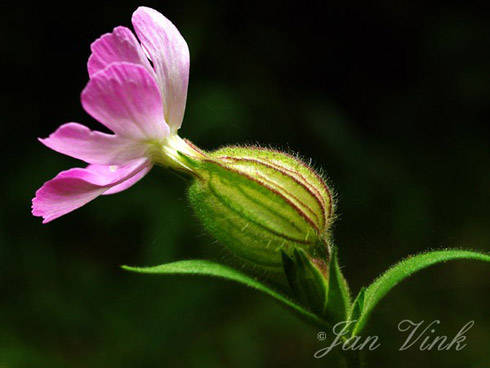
141, 102
262, 204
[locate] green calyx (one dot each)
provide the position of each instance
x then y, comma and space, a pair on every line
260, 202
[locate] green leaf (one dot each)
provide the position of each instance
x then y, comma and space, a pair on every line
208, 268
307, 282
356, 310
380, 287
338, 300
358, 305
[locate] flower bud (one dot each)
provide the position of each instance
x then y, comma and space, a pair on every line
258, 201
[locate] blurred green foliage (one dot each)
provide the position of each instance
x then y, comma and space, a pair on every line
389, 99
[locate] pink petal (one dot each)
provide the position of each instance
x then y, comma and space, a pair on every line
120, 45
126, 99
80, 142
128, 183
71, 189
170, 56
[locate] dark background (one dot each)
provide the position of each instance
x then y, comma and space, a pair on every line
391, 99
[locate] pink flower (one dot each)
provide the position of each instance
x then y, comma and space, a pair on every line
143, 103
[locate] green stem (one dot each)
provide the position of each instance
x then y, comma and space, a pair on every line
352, 359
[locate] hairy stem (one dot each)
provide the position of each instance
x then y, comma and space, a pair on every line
352, 359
